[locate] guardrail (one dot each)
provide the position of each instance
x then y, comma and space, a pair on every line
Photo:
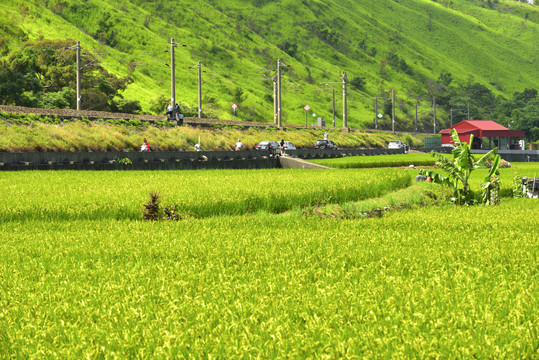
163, 160
515, 155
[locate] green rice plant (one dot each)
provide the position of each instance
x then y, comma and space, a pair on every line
71, 195
396, 160
267, 286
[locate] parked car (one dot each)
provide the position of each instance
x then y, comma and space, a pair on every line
263, 145
325, 144
397, 144
289, 146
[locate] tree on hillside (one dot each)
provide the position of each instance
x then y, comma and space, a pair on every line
238, 96
289, 47
445, 78
43, 74
527, 119
358, 83
481, 99
16, 84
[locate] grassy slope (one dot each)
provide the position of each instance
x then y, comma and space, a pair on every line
96, 136
494, 46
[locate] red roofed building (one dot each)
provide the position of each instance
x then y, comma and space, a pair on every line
479, 129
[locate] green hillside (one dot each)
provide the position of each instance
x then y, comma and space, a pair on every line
457, 51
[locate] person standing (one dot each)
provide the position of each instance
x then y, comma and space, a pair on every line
170, 112
238, 145
281, 144
145, 146
179, 115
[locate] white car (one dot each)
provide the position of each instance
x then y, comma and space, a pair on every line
396, 144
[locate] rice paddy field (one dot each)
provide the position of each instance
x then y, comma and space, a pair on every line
248, 273
378, 161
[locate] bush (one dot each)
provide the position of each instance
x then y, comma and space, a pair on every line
126, 106
159, 105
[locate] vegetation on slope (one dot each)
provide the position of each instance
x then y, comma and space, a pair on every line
32, 133
460, 52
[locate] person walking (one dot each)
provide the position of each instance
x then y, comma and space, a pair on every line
238, 145
281, 144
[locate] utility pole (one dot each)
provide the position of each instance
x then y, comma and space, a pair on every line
333, 92
434, 113
376, 112
172, 74
333, 96
344, 114
199, 66
376, 109
416, 116
468, 111
453, 110
79, 68
279, 104
275, 100
78, 75
393, 110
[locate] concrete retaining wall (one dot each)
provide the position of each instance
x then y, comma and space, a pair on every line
507, 155
515, 155
171, 160
288, 162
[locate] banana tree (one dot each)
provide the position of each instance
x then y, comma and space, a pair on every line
491, 186
459, 169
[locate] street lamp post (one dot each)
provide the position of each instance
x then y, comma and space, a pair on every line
78, 75
173, 74
333, 96
344, 113
279, 113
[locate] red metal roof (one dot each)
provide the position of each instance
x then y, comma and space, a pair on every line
483, 128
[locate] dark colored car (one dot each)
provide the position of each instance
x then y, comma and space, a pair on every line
263, 145
325, 144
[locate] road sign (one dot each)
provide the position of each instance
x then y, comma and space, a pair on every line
380, 116
234, 106
307, 108
314, 115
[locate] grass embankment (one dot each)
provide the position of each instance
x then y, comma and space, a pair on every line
420, 194
397, 160
32, 133
507, 175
